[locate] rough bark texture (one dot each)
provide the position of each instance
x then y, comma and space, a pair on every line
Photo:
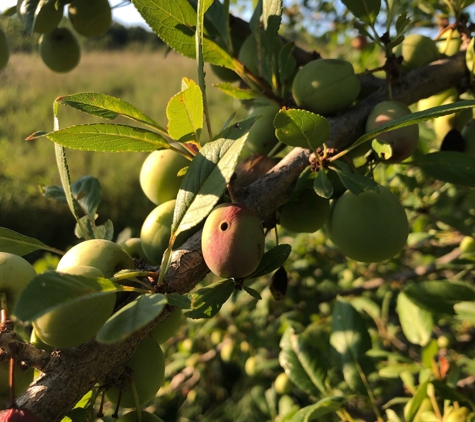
69, 374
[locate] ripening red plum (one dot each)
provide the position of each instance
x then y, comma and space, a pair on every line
232, 241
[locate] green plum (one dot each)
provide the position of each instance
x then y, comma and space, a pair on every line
305, 215
36, 341
47, 17
232, 241
158, 175
133, 246
436, 99
108, 257
248, 53
156, 231
458, 120
403, 141
91, 18
4, 49
168, 327
417, 50
467, 244
261, 138
450, 43
133, 417
326, 86
15, 273
23, 379
369, 227
148, 373
282, 384
79, 322
60, 50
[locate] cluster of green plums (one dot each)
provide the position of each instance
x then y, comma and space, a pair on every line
58, 45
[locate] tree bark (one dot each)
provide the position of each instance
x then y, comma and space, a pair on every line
70, 373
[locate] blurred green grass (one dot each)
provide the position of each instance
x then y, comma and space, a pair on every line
147, 80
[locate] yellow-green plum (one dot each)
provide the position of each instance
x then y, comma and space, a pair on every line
248, 53
261, 138
417, 50
158, 175
79, 322
287, 405
458, 120
305, 215
148, 372
156, 231
436, 99
145, 417
47, 18
108, 257
326, 86
369, 227
15, 273
467, 244
36, 341
282, 384
168, 327
23, 379
232, 241
403, 141
91, 18
133, 246
60, 50
450, 43
4, 49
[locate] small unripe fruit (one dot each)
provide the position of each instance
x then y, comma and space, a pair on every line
4, 49
168, 327
233, 241
261, 138
403, 141
23, 379
148, 373
283, 385
133, 417
452, 46
18, 415
417, 50
158, 175
47, 18
133, 246
370, 227
60, 50
436, 99
305, 215
91, 18
326, 86
444, 124
467, 245
248, 53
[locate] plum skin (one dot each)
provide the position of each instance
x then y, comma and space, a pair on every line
232, 241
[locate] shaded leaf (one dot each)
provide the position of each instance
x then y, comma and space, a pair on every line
176, 299
106, 137
19, 244
365, 10
237, 92
322, 185
206, 302
272, 260
254, 293
131, 318
319, 409
355, 183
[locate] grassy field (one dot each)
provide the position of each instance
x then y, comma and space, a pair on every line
27, 92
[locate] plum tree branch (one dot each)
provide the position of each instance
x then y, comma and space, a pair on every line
70, 373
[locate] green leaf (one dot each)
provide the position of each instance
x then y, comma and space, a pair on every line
271, 17
416, 323
52, 290
19, 244
415, 402
319, 409
301, 128
289, 360
322, 185
87, 191
355, 183
449, 166
185, 113
271, 260
206, 302
382, 149
254, 293
365, 10
131, 318
106, 107
27, 12
207, 177
237, 92
351, 340
286, 62
181, 301
175, 23
106, 137
439, 296
9, 12
470, 56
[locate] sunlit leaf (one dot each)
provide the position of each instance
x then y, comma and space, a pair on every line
206, 302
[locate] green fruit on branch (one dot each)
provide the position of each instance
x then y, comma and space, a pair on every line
435, 100
232, 241
261, 138
168, 327
145, 417
23, 379
91, 18
156, 231
286, 405
249, 57
370, 227
158, 175
60, 50
4, 49
305, 215
148, 372
458, 120
467, 245
326, 86
47, 18
282, 384
457, 415
79, 322
403, 141
133, 246
18, 415
15, 273
417, 50
41, 345
451, 43
108, 257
